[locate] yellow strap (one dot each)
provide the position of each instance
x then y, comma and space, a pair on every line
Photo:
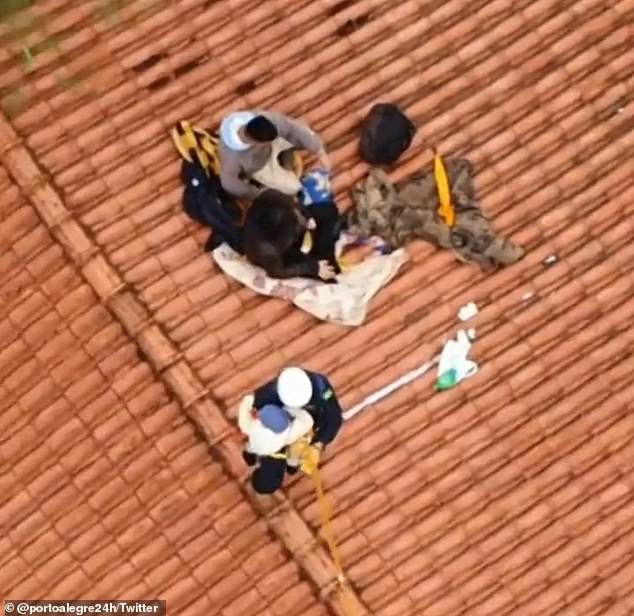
445, 210
209, 144
309, 456
298, 449
307, 243
183, 142
325, 512
278, 456
193, 139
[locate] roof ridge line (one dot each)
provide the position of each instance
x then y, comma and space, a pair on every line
168, 364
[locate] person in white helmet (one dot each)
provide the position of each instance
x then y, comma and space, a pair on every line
296, 391
297, 388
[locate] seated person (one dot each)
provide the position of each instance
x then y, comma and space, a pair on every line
246, 146
274, 237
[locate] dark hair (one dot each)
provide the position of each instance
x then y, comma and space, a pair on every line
261, 129
273, 214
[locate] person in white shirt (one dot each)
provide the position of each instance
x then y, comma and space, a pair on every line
270, 431
249, 156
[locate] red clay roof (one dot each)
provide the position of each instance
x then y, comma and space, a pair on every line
124, 349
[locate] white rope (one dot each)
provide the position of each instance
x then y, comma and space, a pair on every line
384, 392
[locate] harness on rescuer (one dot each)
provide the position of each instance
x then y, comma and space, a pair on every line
302, 451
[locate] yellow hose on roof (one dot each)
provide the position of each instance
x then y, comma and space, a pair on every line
445, 210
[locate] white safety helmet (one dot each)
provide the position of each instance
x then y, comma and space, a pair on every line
294, 387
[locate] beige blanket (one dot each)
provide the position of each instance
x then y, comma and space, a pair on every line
345, 302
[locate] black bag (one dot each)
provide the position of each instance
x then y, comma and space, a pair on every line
385, 134
205, 201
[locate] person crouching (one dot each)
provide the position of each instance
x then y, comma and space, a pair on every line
274, 234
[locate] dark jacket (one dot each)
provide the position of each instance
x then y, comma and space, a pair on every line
323, 406
207, 203
273, 234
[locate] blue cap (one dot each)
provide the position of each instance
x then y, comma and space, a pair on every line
275, 418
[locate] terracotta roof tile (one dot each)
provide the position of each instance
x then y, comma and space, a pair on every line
507, 495
95, 478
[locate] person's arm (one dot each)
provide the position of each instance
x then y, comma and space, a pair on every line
331, 416
231, 177
460, 174
296, 132
245, 419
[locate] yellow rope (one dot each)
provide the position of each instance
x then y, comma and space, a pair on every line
308, 456
325, 511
